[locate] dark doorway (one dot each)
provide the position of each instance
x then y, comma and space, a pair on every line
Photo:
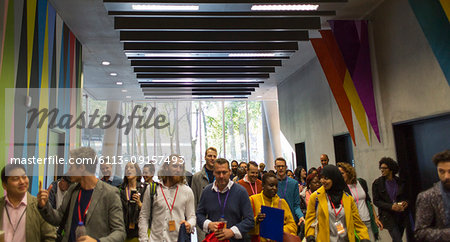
300, 154
416, 142
343, 149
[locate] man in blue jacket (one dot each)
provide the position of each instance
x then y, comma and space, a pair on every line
288, 190
225, 201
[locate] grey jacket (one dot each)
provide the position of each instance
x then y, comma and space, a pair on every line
430, 216
104, 218
36, 229
199, 182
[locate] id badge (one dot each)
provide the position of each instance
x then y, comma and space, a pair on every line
340, 228
172, 225
132, 226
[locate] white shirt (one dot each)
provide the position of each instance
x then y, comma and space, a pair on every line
359, 196
183, 209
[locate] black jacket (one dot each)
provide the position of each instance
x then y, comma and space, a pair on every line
384, 203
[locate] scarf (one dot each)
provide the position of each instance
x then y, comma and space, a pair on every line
339, 186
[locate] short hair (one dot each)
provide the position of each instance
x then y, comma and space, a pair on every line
350, 170
391, 164
9, 168
252, 163
243, 162
221, 161
88, 153
151, 167
281, 159
210, 148
311, 170
443, 156
235, 161
266, 176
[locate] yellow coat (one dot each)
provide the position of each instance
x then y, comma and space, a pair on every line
352, 219
289, 222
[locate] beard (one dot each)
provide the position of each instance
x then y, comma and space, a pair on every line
176, 179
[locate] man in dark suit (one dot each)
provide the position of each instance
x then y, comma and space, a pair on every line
389, 196
99, 202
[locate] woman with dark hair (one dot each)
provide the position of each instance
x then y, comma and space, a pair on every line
300, 176
332, 214
359, 192
268, 197
130, 195
389, 195
312, 170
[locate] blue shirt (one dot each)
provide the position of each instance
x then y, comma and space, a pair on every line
288, 189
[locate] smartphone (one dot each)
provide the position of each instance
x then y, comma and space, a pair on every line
132, 192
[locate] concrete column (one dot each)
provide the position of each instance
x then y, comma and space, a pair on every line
272, 121
111, 136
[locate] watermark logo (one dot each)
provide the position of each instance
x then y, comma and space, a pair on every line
148, 119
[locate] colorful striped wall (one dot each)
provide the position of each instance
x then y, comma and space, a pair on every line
39, 57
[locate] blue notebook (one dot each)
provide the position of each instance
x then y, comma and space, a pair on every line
272, 226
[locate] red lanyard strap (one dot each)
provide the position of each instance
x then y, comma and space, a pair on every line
335, 208
253, 190
173, 203
80, 218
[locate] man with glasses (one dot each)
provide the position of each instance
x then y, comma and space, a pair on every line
389, 195
288, 190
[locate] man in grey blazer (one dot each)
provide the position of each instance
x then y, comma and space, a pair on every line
90, 202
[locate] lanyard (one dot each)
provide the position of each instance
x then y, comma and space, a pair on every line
356, 191
335, 208
82, 219
262, 198
285, 190
173, 203
224, 202
20, 219
254, 191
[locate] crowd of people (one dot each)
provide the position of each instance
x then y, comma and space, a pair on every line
219, 203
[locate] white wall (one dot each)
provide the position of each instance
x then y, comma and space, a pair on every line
408, 82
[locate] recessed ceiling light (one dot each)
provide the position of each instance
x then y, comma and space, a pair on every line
259, 96
119, 83
251, 54
286, 7
167, 55
106, 63
124, 90
164, 7
113, 74
128, 96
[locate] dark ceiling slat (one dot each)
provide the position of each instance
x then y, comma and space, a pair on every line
147, 90
198, 85
198, 94
210, 46
150, 76
231, 14
226, 1
173, 36
211, 58
188, 89
198, 70
144, 63
143, 23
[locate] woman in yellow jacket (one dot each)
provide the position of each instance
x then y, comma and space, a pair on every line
331, 212
268, 197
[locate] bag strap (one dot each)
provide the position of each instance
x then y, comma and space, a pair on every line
153, 186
